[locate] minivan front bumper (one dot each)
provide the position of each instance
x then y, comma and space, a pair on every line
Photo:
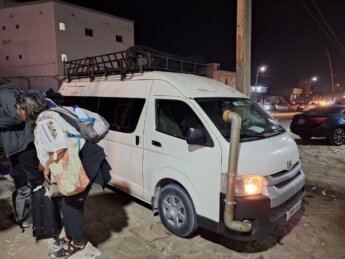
257, 209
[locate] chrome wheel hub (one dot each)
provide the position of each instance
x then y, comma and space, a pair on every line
174, 211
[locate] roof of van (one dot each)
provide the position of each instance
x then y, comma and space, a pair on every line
191, 86
194, 86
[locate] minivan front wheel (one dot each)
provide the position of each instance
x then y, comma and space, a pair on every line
176, 211
338, 137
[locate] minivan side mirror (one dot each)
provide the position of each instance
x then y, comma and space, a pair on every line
196, 135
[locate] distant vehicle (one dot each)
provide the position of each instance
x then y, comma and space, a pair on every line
282, 107
310, 105
268, 106
296, 106
341, 101
328, 122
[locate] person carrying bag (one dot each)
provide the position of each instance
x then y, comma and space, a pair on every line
68, 171
70, 161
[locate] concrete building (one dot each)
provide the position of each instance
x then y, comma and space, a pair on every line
226, 77
36, 37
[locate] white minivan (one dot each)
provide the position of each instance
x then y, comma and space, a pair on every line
168, 145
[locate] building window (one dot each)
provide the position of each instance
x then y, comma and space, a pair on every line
62, 26
20, 57
119, 38
7, 57
3, 28
40, 12
63, 57
89, 32
17, 26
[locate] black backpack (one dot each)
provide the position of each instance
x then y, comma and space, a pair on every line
46, 215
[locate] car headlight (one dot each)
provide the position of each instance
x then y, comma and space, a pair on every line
247, 185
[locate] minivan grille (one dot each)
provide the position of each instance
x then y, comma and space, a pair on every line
285, 171
282, 184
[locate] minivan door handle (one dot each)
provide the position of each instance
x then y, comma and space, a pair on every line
137, 140
156, 143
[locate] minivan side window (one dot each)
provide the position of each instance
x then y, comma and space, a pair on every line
175, 117
122, 113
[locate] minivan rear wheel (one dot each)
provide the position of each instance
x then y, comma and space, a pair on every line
176, 211
338, 137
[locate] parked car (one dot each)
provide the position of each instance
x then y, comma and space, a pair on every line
328, 122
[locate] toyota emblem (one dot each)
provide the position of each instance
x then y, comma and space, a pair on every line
289, 164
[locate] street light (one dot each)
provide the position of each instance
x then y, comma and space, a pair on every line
334, 87
313, 79
260, 69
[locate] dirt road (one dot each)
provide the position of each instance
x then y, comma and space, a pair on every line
121, 227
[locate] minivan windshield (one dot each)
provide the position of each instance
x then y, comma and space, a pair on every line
256, 123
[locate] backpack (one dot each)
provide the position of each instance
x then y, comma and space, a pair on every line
46, 215
93, 129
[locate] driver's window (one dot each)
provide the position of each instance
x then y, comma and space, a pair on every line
174, 118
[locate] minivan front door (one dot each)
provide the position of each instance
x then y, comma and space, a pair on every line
168, 156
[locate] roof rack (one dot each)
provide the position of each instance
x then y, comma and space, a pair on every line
133, 60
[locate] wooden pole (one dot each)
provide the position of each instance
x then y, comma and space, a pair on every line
243, 45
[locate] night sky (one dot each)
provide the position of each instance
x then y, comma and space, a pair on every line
284, 35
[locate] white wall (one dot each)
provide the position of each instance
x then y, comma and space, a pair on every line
34, 40
40, 42
76, 44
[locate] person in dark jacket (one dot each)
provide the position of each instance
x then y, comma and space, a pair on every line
16, 138
52, 135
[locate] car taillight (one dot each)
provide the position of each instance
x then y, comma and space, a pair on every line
318, 120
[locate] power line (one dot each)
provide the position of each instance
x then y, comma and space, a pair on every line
340, 49
329, 28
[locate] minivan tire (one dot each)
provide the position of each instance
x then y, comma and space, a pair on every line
338, 137
176, 211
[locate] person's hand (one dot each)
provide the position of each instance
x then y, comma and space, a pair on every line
46, 174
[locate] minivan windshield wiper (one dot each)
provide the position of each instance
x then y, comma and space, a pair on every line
273, 132
248, 134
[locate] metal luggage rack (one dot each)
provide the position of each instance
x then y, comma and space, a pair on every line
133, 60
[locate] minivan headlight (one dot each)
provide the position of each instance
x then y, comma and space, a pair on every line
246, 185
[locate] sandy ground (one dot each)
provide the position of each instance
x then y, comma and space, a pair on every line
121, 227
323, 165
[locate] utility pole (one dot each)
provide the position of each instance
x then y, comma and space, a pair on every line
331, 70
243, 45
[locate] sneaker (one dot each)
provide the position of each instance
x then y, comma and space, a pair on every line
27, 222
26, 225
